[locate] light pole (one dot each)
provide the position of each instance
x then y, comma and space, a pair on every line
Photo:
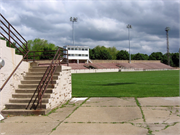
73, 19
129, 27
167, 29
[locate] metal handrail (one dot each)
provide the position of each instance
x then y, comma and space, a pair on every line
10, 37
45, 82
24, 51
12, 44
13, 71
51, 68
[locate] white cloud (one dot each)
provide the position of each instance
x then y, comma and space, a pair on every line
99, 22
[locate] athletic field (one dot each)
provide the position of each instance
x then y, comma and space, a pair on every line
127, 84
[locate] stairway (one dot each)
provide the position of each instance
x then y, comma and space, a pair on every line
25, 90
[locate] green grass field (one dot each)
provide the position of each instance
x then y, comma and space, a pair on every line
127, 84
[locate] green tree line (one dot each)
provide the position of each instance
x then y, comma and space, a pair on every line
97, 53
36, 45
111, 53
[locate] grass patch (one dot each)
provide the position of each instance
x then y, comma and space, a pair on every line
129, 84
138, 104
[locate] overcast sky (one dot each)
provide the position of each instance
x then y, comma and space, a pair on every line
99, 22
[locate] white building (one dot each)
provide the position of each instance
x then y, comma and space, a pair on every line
77, 54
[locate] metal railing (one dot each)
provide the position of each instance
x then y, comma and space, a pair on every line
13, 37
47, 77
10, 35
27, 55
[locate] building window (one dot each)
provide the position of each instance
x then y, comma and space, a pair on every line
72, 48
86, 49
82, 49
79, 48
79, 54
69, 49
82, 54
86, 54
75, 48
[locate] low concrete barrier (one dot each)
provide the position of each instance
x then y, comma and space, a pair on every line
125, 61
156, 69
140, 69
94, 70
131, 69
114, 70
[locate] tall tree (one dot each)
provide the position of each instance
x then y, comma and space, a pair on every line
113, 52
156, 56
165, 59
175, 59
40, 45
140, 56
100, 53
122, 55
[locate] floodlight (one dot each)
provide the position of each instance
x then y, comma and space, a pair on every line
129, 26
167, 29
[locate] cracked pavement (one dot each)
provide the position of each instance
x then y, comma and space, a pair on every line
102, 116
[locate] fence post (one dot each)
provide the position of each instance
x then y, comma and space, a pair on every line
67, 58
27, 49
9, 34
60, 57
33, 57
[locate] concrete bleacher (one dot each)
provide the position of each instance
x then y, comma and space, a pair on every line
145, 66
109, 65
136, 66
102, 65
77, 66
93, 66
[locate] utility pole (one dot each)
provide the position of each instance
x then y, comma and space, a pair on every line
73, 19
167, 37
129, 27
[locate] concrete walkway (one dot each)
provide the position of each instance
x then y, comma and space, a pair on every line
102, 116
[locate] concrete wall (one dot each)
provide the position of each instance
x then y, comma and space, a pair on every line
63, 88
94, 70
124, 61
131, 70
140, 69
11, 61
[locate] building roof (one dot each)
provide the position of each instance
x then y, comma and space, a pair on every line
76, 46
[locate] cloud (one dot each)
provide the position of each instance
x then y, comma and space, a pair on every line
99, 22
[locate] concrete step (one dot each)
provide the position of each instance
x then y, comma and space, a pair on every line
39, 73
21, 105
41, 69
31, 90
37, 77
25, 112
28, 95
26, 100
47, 63
33, 86
24, 93
35, 82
